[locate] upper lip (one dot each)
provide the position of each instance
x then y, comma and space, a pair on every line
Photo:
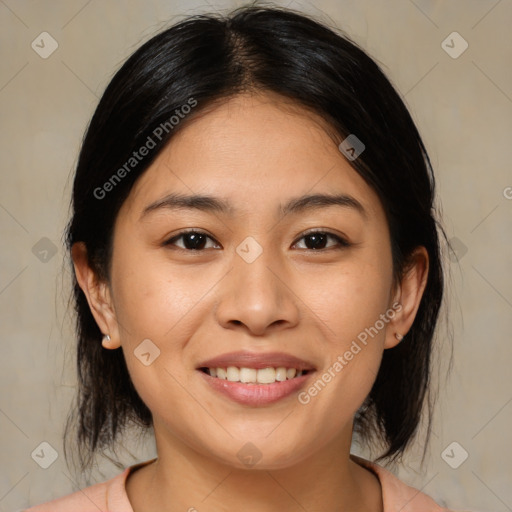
245, 359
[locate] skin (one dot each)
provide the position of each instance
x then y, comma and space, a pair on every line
257, 151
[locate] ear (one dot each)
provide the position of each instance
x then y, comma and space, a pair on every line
98, 295
408, 294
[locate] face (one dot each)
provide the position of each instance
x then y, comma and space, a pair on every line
259, 272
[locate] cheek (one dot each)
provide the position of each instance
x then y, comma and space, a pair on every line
151, 300
158, 310
350, 304
350, 299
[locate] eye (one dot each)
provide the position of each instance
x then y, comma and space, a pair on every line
318, 240
193, 240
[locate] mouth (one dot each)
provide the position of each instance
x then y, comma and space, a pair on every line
255, 379
244, 385
254, 376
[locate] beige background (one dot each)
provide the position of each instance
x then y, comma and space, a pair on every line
463, 108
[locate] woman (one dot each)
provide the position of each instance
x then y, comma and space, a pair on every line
257, 272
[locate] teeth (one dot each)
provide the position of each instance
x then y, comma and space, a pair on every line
232, 374
290, 373
280, 373
269, 375
253, 376
247, 375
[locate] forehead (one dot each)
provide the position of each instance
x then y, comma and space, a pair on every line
256, 150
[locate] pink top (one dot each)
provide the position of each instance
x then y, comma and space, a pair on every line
110, 496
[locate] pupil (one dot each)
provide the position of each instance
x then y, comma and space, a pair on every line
318, 240
194, 240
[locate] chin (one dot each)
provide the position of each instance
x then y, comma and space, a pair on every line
260, 456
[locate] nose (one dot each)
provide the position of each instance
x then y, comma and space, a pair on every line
258, 297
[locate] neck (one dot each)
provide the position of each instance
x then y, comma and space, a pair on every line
183, 479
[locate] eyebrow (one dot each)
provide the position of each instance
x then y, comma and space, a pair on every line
176, 201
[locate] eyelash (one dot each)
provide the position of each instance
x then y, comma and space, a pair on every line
342, 242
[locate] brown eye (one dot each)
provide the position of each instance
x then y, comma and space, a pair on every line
192, 240
318, 240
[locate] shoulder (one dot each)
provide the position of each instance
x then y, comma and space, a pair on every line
396, 495
90, 498
108, 496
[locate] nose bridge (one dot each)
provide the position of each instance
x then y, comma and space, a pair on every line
257, 295
253, 269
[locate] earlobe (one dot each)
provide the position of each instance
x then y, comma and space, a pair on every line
408, 293
108, 343
98, 296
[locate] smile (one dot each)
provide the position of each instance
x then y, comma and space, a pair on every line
255, 394
254, 376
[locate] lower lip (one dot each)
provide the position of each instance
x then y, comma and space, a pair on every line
256, 394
